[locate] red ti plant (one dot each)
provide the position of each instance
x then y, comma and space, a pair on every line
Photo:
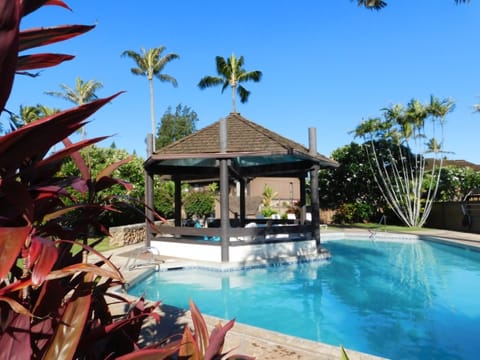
53, 304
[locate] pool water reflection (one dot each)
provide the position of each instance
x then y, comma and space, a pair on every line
414, 299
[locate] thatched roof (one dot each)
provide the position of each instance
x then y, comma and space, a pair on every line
253, 151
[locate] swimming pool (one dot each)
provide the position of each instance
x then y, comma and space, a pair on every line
408, 299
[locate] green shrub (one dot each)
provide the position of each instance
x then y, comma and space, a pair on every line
353, 213
267, 212
199, 203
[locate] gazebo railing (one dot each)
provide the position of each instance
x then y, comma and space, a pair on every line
237, 235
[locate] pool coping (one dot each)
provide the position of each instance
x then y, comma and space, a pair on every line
271, 345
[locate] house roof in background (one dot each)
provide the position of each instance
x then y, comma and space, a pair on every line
455, 163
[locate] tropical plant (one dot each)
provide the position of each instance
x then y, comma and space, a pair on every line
456, 182
130, 206
351, 182
401, 177
81, 93
175, 126
204, 346
268, 195
380, 4
231, 73
53, 303
151, 63
349, 213
199, 203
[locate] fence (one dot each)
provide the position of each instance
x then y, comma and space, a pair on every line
456, 216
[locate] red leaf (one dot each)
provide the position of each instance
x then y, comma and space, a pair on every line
106, 182
16, 286
15, 340
217, 339
46, 168
112, 167
41, 135
43, 36
32, 5
201, 331
78, 160
68, 150
189, 348
16, 306
16, 203
46, 259
80, 185
64, 210
11, 242
39, 61
9, 24
69, 331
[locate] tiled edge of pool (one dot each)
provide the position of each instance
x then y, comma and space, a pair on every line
457, 243
179, 264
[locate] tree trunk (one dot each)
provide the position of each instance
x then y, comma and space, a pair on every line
152, 110
234, 108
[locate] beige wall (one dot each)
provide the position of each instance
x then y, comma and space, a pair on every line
280, 185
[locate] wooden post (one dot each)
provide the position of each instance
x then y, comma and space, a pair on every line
178, 202
149, 218
224, 192
312, 137
242, 202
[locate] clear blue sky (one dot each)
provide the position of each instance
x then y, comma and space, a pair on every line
325, 64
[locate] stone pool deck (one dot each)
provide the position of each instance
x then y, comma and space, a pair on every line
253, 341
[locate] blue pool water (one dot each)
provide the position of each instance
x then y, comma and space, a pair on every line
405, 300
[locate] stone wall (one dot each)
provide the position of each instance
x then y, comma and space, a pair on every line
127, 235
131, 234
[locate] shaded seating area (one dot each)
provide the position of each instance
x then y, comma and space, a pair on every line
233, 151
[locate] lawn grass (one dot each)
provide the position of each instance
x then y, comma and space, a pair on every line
391, 228
102, 246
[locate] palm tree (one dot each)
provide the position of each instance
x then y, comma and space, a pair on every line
150, 63
379, 4
230, 72
82, 93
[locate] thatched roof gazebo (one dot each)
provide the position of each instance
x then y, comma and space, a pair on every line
234, 149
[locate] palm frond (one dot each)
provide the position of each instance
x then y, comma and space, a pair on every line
167, 78
243, 93
372, 4
210, 81
255, 76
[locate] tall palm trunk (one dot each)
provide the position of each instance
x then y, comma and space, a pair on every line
234, 106
152, 109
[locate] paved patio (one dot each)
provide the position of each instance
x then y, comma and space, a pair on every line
257, 342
